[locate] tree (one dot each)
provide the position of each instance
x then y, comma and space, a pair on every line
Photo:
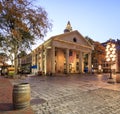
22, 54
91, 41
3, 58
98, 54
21, 23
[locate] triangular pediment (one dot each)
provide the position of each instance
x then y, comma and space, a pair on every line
72, 37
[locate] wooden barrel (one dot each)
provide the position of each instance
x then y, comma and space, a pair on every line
21, 96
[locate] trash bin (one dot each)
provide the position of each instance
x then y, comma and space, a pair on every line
21, 96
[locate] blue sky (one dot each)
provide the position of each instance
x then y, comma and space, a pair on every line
98, 19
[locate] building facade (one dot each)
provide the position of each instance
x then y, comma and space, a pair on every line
24, 64
116, 65
118, 55
63, 53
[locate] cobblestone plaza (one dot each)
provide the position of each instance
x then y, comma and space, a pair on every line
75, 94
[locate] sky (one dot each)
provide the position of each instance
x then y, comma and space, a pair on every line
97, 19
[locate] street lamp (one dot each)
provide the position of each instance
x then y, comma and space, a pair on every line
110, 56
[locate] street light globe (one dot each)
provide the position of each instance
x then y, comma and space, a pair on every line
113, 59
108, 46
114, 56
106, 49
108, 52
111, 49
114, 49
113, 52
113, 45
108, 59
106, 56
111, 56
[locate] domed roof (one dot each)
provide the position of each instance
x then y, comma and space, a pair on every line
68, 27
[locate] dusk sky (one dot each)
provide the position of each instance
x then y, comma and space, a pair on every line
98, 19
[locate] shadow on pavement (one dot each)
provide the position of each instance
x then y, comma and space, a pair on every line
6, 106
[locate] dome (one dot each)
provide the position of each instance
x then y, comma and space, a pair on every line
68, 27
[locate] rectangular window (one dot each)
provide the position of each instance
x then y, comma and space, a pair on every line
77, 56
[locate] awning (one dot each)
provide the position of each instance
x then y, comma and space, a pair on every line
34, 66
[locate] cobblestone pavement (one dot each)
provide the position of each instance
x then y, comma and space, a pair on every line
76, 94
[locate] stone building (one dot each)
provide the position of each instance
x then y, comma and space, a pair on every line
63, 53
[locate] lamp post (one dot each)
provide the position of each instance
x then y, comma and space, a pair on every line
110, 57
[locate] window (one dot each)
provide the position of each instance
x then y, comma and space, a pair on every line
77, 63
77, 56
74, 39
70, 53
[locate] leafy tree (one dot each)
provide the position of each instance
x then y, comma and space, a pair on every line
91, 41
3, 57
98, 54
21, 23
22, 54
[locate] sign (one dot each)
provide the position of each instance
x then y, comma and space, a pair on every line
34, 66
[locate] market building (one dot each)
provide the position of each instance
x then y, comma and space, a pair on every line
63, 53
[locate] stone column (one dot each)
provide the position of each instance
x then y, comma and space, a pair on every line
117, 62
80, 62
53, 60
45, 63
89, 63
67, 60
42, 59
33, 60
37, 62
